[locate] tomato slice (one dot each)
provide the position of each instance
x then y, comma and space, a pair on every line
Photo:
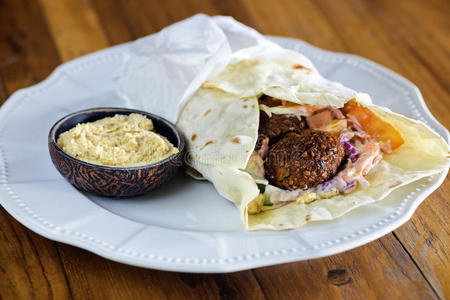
383, 132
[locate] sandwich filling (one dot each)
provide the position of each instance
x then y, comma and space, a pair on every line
305, 153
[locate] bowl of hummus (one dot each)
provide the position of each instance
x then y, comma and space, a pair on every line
116, 152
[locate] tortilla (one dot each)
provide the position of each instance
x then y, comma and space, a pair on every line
225, 138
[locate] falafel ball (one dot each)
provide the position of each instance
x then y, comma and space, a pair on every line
278, 125
269, 101
304, 160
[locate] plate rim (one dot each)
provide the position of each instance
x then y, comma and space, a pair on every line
225, 265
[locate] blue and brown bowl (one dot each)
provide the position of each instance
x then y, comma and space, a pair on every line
115, 181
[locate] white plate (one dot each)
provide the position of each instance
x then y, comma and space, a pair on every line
184, 226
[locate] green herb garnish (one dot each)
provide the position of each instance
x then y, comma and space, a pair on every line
261, 187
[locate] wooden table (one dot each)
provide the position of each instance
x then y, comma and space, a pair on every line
410, 37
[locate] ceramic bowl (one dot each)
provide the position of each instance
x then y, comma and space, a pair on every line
115, 181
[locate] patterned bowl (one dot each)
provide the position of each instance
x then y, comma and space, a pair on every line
115, 181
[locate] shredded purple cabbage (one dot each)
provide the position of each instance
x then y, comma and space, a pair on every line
345, 137
351, 151
336, 183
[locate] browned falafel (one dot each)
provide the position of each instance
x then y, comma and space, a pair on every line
269, 101
303, 160
278, 125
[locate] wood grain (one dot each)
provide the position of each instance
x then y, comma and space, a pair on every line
29, 264
74, 27
100, 278
426, 238
410, 37
370, 272
27, 51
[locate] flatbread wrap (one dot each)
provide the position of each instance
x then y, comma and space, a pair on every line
288, 146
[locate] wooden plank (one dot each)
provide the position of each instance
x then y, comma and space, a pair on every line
98, 278
426, 51
427, 238
115, 25
74, 26
124, 20
372, 271
430, 37
298, 19
27, 53
29, 264
3, 91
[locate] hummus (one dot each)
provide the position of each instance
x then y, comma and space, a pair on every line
119, 141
